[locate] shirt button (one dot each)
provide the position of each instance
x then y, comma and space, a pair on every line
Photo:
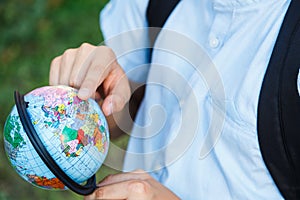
214, 42
181, 103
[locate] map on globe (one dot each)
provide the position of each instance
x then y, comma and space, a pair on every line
74, 132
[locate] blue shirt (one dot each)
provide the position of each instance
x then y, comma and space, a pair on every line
196, 131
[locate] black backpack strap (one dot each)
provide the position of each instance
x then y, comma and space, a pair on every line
158, 11
279, 108
157, 14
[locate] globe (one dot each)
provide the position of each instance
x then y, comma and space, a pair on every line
73, 131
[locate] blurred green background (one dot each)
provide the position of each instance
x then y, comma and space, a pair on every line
32, 33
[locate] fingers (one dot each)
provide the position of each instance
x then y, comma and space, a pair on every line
54, 71
98, 70
81, 65
110, 74
131, 190
66, 66
70, 68
118, 93
86, 68
61, 67
131, 186
115, 178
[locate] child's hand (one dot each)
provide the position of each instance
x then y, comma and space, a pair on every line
89, 67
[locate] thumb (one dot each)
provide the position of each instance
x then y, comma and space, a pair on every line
118, 96
113, 103
90, 197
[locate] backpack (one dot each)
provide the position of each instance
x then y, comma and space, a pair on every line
278, 122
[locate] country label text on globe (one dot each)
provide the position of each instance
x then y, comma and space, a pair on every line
74, 132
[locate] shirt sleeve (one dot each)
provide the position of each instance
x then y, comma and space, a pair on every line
124, 28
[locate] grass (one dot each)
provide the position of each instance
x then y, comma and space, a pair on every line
32, 33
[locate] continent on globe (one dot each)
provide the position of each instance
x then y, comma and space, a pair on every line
43, 181
16, 140
73, 131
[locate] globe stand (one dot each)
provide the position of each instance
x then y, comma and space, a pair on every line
86, 189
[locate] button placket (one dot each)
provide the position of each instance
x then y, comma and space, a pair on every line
219, 29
